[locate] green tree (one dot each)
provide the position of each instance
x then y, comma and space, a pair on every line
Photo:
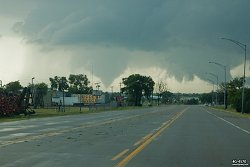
40, 90
59, 83
234, 92
2, 90
235, 85
234, 88
192, 101
135, 86
79, 84
206, 98
247, 101
13, 87
167, 97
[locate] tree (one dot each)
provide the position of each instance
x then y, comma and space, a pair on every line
135, 86
79, 84
13, 87
167, 97
234, 88
206, 98
40, 90
235, 85
192, 101
2, 90
59, 83
247, 101
161, 87
234, 92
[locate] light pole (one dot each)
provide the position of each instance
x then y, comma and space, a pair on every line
216, 76
32, 83
244, 47
225, 89
1, 83
213, 89
120, 88
63, 87
112, 91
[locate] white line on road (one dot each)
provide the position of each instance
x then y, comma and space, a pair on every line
13, 136
230, 123
65, 130
9, 129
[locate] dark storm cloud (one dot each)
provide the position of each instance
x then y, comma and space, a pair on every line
125, 23
14, 8
185, 34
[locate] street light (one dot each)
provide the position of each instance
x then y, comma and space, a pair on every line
213, 89
244, 47
112, 92
216, 76
225, 90
1, 83
32, 84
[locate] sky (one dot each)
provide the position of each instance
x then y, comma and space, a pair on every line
169, 40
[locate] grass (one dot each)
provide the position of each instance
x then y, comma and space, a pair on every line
52, 112
232, 110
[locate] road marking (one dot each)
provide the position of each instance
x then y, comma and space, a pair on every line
9, 129
28, 138
59, 132
120, 155
230, 123
16, 128
144, 139
136, 151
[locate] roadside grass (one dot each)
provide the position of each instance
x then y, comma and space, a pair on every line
232, 111
52, 112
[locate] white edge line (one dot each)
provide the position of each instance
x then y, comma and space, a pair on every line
229, 123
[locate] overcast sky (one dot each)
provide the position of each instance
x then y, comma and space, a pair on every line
171, 40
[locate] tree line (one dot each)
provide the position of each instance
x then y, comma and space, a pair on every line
233, 95
135, 87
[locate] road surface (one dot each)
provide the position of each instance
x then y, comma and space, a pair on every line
174, 136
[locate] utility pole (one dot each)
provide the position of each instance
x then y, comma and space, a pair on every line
112, 93
244, 47
225, 84
120, 88
212, 90
62, 88
32, 93
217, 82
92, 75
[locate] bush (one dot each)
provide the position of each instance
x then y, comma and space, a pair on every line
247, 106
247, 101
236, 101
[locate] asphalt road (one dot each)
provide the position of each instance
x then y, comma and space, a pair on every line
156, 137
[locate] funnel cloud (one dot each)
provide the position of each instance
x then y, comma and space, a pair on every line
111, 36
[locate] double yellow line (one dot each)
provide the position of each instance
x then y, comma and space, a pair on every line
141, 144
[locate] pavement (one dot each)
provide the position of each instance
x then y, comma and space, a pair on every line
175, 135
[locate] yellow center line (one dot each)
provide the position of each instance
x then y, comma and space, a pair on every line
125, 161
120, 155
143, 139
